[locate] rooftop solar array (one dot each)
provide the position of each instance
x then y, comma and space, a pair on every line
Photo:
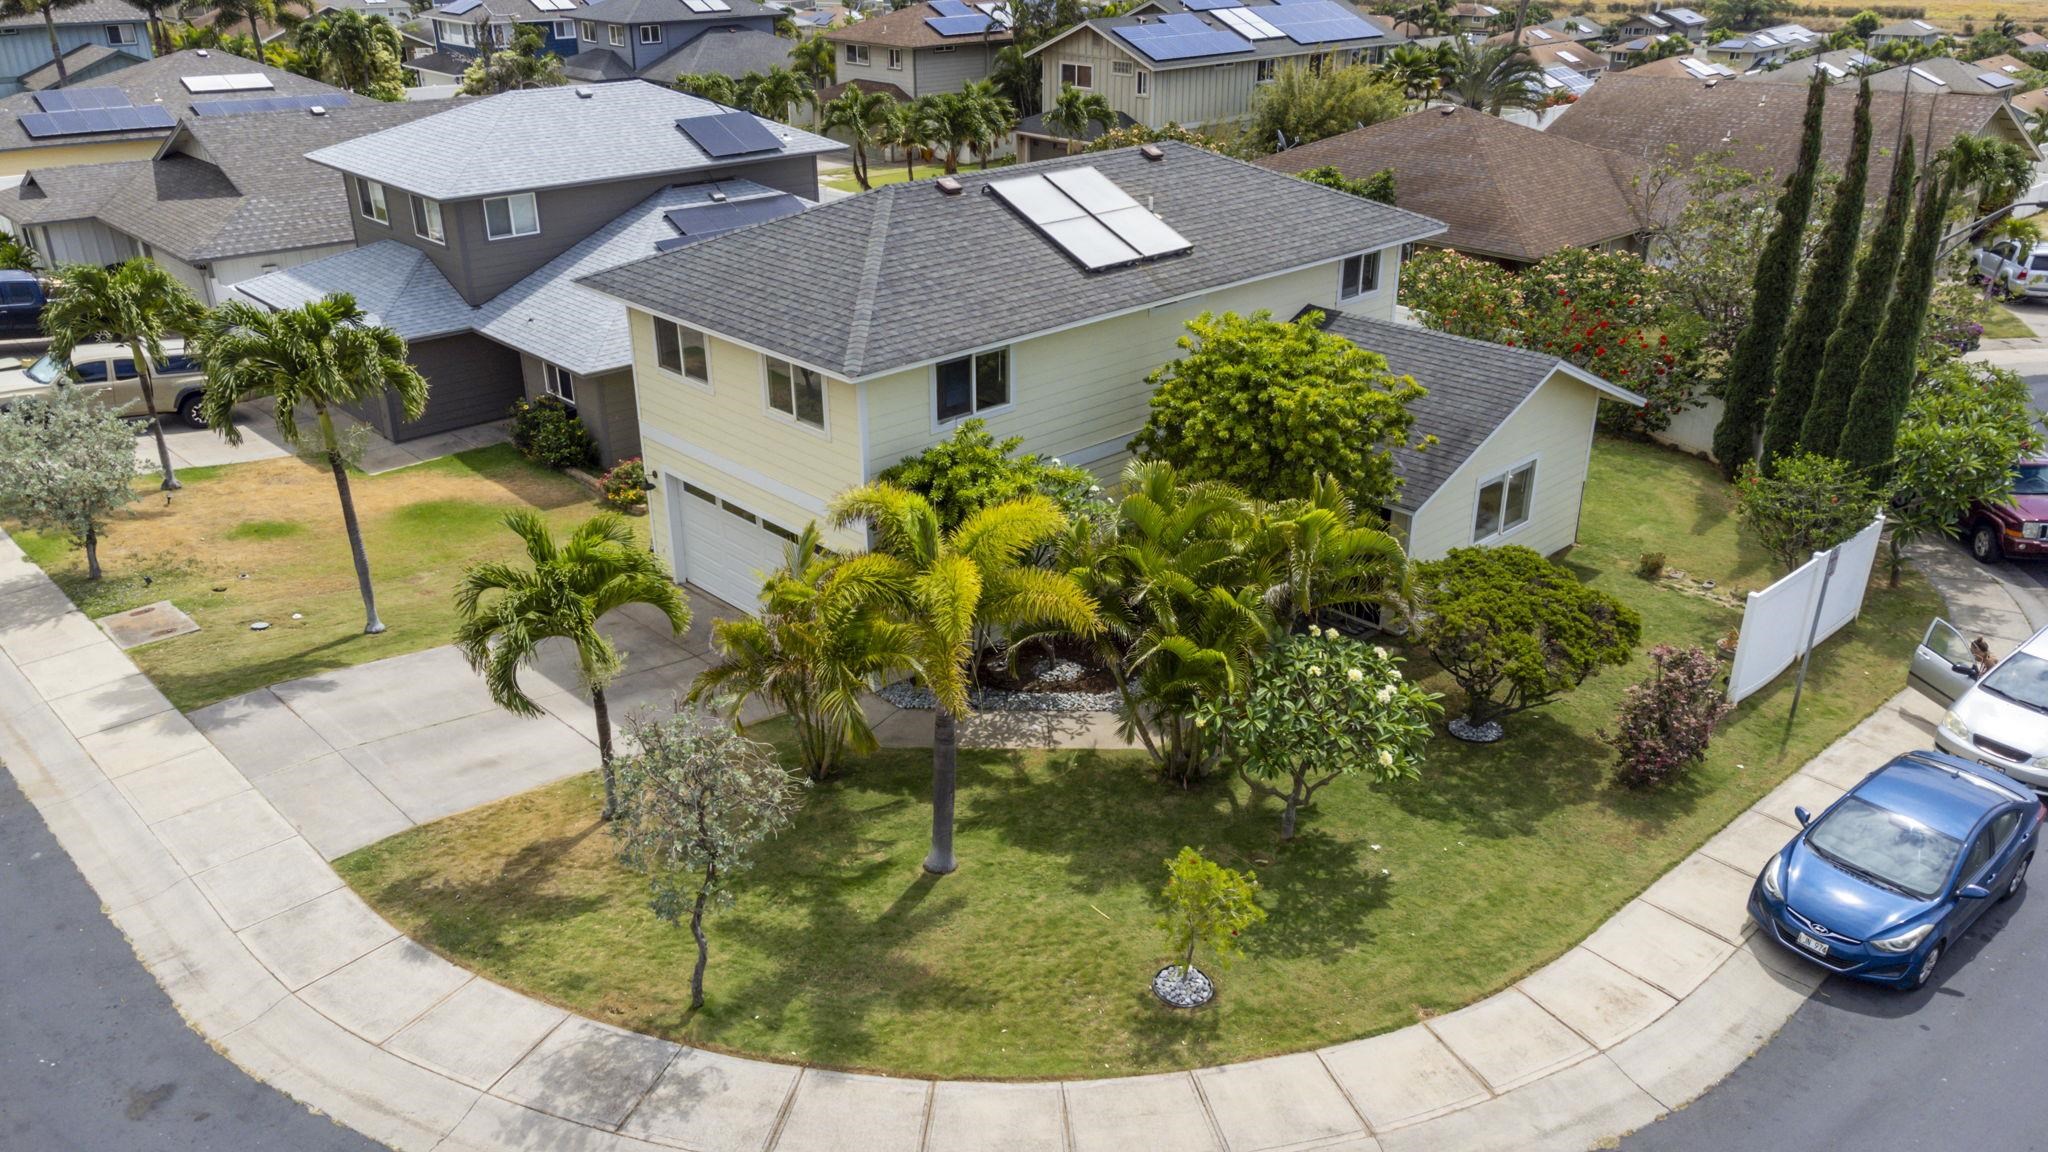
554, 5
232, 82
955, 18
727, 134
458, 7
1318, 22
1705, 68
1996, 80
1248, 24
87, 121
1562, 79
267, 104
702, 6
1210, 5
80, 99
703, 221
1090, 218
1181, 36
1930, 77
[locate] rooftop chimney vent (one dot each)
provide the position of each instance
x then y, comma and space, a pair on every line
584, 93
949, 186
1152, 152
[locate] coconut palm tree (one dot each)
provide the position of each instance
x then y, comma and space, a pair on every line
910, 128
508, 611
864, 117
814, 60
778, 92
229, 11
1074, 111
350, 50
1419, 70
47, 9
824, 633
712, 86
136, 303
993, 117
1495, 77
1016, 76
309, 360
951, 583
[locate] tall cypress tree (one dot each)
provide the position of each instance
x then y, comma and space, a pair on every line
1753, 364
1827, 282
1843, 362
1882, 389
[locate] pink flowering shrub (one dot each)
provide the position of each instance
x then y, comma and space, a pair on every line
1668, 718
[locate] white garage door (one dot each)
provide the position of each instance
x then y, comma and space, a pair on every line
723, 547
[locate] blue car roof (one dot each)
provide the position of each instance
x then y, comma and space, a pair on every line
10, 275
1942, 792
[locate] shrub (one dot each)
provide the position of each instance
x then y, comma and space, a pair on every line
1809, 503
973, 470
1667, 719
546, 431
1955, 320
1650, 565
1207, 905
625, 486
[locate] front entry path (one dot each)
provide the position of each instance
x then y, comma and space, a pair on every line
266, 953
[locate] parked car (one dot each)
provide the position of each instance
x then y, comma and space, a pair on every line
21, 304
2014, 530
1996, 717
2012, 268
1878, 885
108, 370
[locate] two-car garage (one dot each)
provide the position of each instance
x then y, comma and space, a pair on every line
721, 546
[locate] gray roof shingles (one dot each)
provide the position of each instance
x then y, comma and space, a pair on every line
394, 283
665, 12
914, 274
88, 12
157, 81
730, 52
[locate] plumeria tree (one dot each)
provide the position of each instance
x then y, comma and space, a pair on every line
1808, 503
66, 465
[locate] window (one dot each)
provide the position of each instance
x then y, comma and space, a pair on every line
616, 33
509, 216
1361, 276
650, 33
558, 382
1266, 70
1144, 83
91, 372
565, 29
426, 220
122, 34
370, 198
124, 369
1980, 855
857, 54
896, 59
589, 30
942, 49
1122, 67
455, 32
973, 384
682, 350
798, 393
1077, 75
1504, 503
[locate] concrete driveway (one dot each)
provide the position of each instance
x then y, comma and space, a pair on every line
202, 447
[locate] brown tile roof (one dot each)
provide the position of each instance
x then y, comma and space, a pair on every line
1668, 66
904, 28
2031, 103
1649, 118
1506, 191
833, 92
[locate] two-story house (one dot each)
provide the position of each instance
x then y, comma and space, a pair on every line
1579, 28
660, 40
83, 30
1198, 62
1467, 16
1765, 47
927, 48
472, 227
1663, 22
464, 29
755, 414
1917, 32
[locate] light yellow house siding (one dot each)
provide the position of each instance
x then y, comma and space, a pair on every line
726, 439
18, 161
1554, 427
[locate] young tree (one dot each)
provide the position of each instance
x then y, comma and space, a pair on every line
1207, 905
1320, 707
1707, 222
1752, 367
1267, 405
1516, 630
1015, 75
135, 303
356, 52
694, 802
962, 475
1886, 379
508, 612
511, 70
1861, 314
816, 59
318, 356
1317, 552
1075, 111
863, 116
1964, 426
66, 465
1668, 717
1494, 78
1809, 503
779, 91
1827, 282
1300, 105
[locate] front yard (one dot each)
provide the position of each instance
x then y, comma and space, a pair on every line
264, 542
1395, 903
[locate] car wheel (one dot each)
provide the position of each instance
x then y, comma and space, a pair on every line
189, 410
2019, 877
1984, 543
1925, 972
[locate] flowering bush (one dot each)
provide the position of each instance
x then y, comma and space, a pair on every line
546, 431
1667, 719
1808, 504
625, 486
1955, 320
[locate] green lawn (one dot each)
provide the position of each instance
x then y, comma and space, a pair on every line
263, 541
1394, 904
2002, 324
881, 172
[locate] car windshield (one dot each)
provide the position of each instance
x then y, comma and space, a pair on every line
46, 370
1891, 847
2030, 480
2022, 679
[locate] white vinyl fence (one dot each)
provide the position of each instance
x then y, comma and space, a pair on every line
1805, 608
1692, 429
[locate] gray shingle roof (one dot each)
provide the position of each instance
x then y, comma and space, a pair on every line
395, 284
905, 274
664, 12
75, 61
156, 81
89, 12
544, 138
1275, 47
598, 64
1473, 387
730, 52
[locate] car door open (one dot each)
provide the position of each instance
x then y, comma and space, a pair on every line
1942, 667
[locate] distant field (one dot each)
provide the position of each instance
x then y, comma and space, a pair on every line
1949, 14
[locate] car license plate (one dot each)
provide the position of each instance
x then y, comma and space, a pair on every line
1817, 947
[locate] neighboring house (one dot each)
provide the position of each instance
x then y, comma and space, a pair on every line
1508, 193
166, 83
463, 29
926, 49
1468, 17
1532, 36
1579, 28
1764, 48
660, 40
1663, 22
82, 64
1944, 74
25, 41
225, 198
1687, 67
1838, 64
757, 409
1570, 57
1908, 31
1168, 63
2030, 104
1624, 53
1513, 433
473, 226
1035, 141
2032, 42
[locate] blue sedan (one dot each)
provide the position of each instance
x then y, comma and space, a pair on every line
1880, 884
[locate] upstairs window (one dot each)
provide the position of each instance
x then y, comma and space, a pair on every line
797, 393
1080, 76
509, 216
426, 220
682, 350
565, 29
121, 34
857, 54
972, 384
370, 198
589, 29
896, 59
617, 34
650, 33
1361, 276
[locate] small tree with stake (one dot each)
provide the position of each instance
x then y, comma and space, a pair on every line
66, 463
693, 803
1206, 905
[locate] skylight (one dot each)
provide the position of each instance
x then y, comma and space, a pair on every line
1930, 77
1090, 218
232, 82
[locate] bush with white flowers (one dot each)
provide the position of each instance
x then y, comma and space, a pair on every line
1320, 706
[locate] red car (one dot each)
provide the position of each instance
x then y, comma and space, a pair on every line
2017, 530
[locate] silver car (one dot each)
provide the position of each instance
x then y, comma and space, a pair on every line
1998, 717
2013, 269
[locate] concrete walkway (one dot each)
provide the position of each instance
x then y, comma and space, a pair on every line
202, 447
270, 956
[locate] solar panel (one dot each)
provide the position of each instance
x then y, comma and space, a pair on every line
1319, 22
1211, 5
1091, 219
1247, 23
702, 6
1994, 80
1565, 78
951, 8
266, 104
233, 82
1181, 36
76, 99
703, 221
89, 121
972, 24
729, 134
1930, 77
458, 7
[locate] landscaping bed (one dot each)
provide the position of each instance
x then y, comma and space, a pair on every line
1036, 959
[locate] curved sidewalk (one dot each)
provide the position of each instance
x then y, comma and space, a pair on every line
270, 956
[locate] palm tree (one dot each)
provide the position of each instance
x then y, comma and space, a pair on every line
710, 86
47, 9
779, 91
993, 116
350, 50
818, 64
1016, 76
136, 303
864, 117
229, 11
508, 611
910, 128
958, 123
1495, 77
1317, 552
824, 633
1419, 70
318, 356
952, 582
1074, 111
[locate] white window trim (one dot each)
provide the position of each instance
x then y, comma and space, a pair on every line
615, 35
370, 192
1501, 477
645, 38
550, 374
949, 423
414, 203
1379, 276
858, 55
587, 30
684, 376
1269, 67
508, 216
895, 59
1077, 70
1144, 84
565, 30
824, 430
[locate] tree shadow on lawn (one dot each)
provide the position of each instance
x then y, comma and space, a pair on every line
1506, 789
488, 922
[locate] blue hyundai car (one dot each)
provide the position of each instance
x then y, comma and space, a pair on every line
1882, 883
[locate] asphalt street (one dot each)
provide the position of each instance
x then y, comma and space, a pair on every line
93, 1058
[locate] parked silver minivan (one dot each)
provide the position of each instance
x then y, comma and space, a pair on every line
1997, 717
